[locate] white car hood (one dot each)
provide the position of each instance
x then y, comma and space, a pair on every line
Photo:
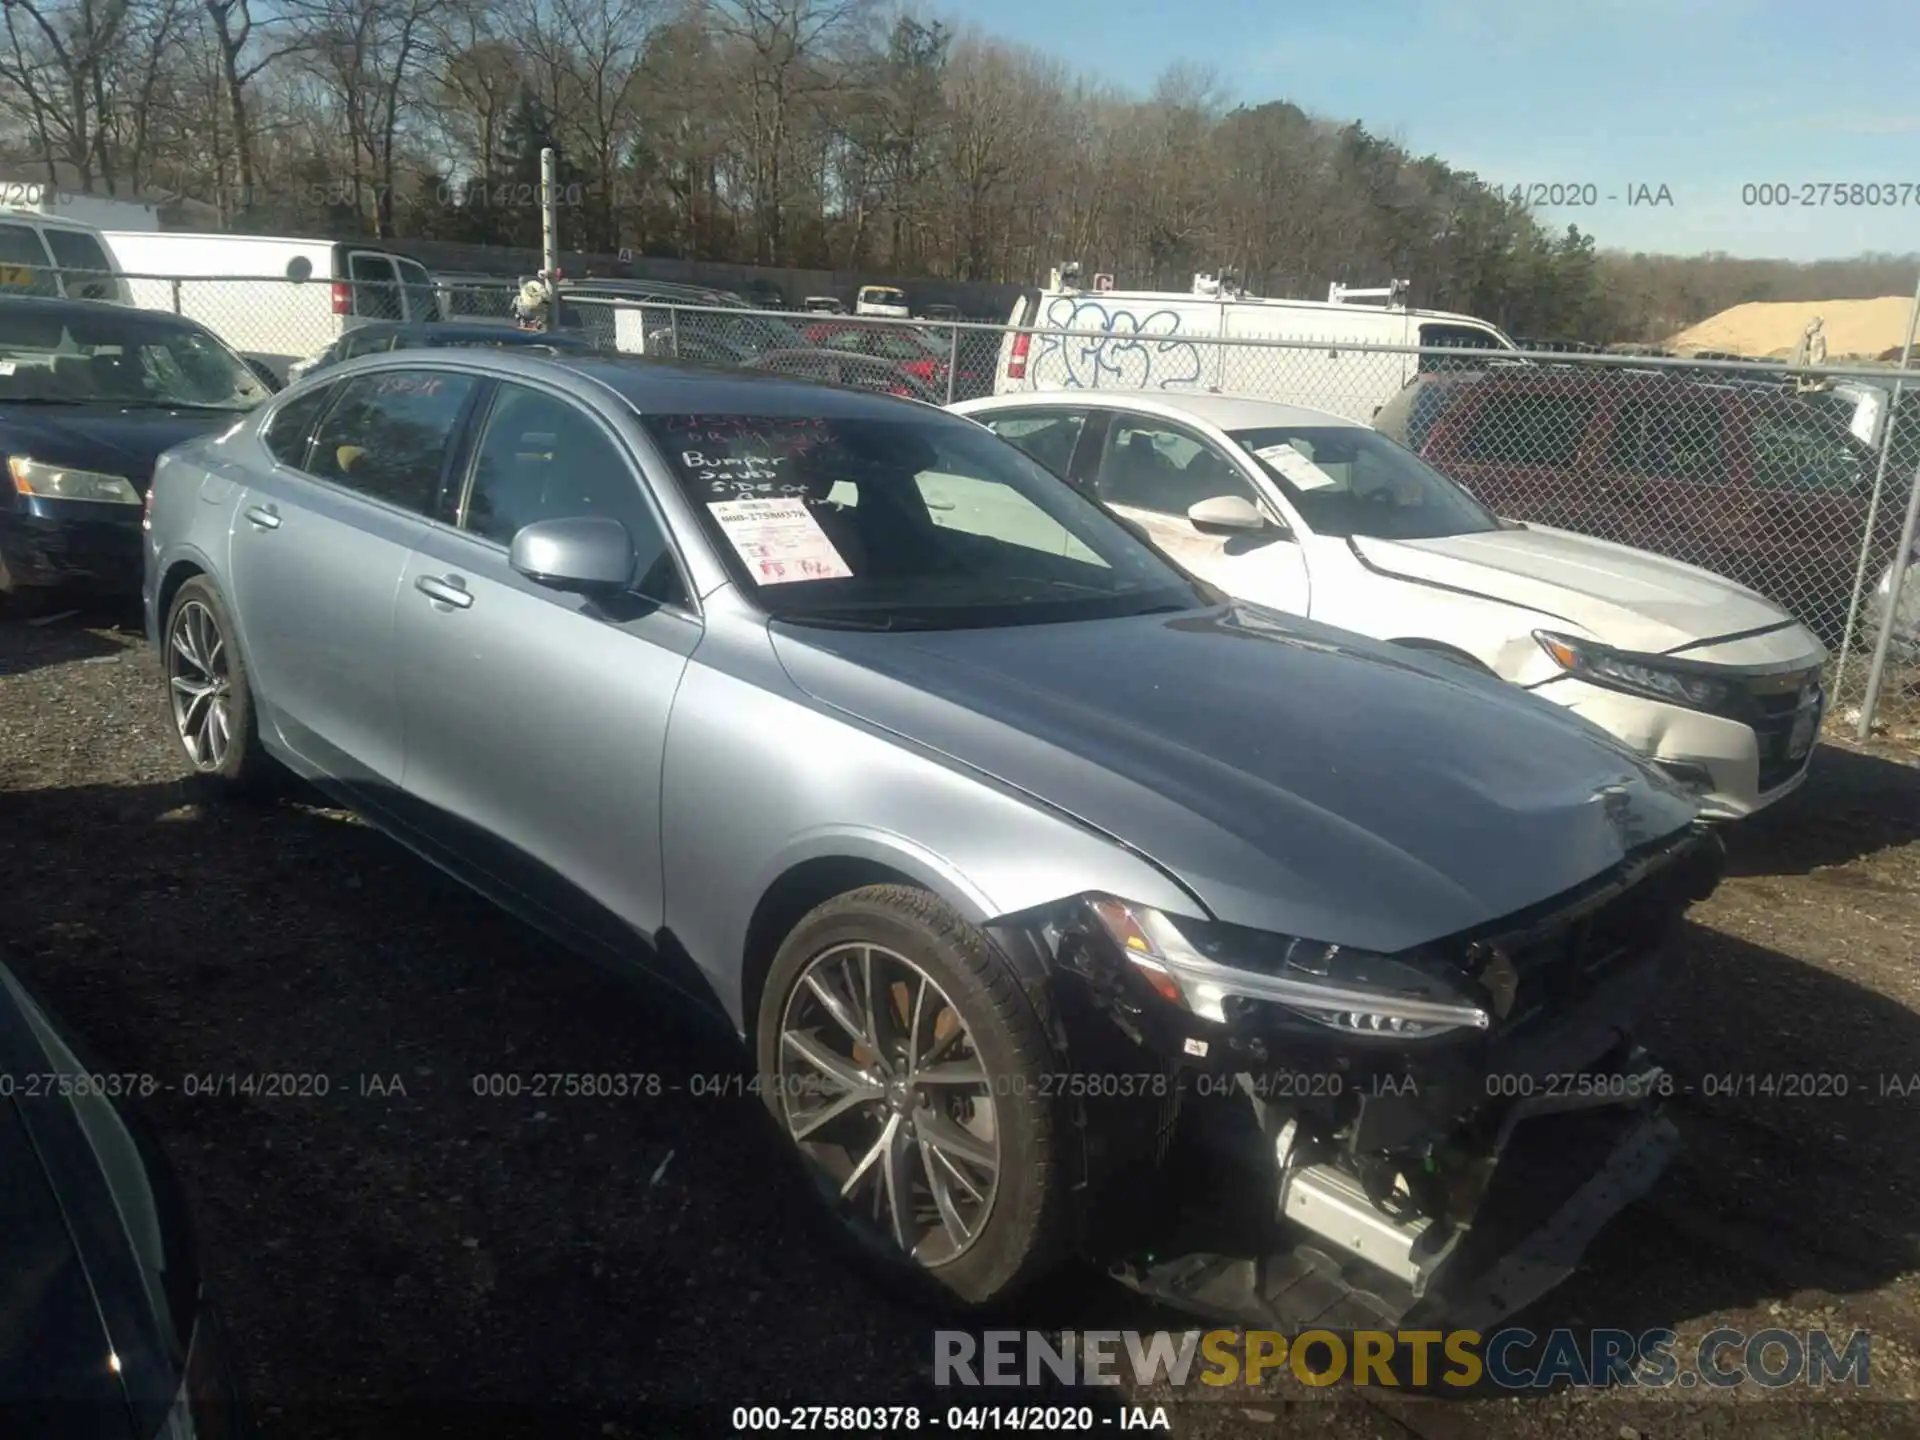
1626, 598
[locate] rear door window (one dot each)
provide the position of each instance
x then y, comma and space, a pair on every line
25, 266
1046, 436
389, 436
290, 430
376, 289
1800, 452
1669, 440
1527, 429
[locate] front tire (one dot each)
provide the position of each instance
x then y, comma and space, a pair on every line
208, 697
898, 1054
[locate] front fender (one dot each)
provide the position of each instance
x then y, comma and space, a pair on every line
756, 783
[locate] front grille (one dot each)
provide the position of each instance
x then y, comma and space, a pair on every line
1556, 955
1771, 705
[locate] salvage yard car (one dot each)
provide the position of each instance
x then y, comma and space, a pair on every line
90, 394
1020, 859
1320, 516
1749, 480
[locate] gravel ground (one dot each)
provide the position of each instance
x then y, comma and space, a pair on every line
399, 1246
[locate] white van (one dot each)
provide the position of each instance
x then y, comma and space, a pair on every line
273, 298
1153, 333
44, 254
887, 301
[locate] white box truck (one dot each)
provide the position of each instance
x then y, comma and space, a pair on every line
273, 298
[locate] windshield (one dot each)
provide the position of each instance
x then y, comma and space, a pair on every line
906, 524
124, 359
881, 295
1347, 481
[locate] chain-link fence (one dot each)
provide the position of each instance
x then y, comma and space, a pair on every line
1794, 482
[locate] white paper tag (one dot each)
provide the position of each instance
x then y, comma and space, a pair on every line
6, 367
1296, 467
779, 540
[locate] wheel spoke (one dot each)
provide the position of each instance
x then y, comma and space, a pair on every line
218, 733
871, 1158
805, 1125
183, 646
913, 1026
844, 1014
837, 1068
937, 1171
192, 689
939, 1162
897, 1177
957, 1142
952, 1072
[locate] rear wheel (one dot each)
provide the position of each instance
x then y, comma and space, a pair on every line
208, 696
904, 1063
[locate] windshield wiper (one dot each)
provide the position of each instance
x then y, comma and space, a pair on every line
839, 620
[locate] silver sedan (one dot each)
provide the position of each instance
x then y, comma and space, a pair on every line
1020, 859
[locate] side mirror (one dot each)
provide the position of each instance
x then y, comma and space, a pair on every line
1227, 512
584, 554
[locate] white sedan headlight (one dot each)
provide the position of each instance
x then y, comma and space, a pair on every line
1636, 674
61, 482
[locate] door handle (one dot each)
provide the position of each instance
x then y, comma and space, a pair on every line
263, 517
445, 592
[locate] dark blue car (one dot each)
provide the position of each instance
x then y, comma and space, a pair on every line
104, 1331
379, 338
90, 395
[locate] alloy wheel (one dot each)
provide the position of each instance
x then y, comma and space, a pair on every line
884, 1090
198, 685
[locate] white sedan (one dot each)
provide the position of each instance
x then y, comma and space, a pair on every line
1318, 515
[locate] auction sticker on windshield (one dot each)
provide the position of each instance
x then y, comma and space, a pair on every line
779, 540
1296, 467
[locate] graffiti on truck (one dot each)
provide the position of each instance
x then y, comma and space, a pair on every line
1140, 353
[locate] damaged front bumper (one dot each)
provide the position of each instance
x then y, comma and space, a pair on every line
1295, 1172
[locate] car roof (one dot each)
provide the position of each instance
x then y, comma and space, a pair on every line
1227, 412
99, 309
659, 386
1614, 378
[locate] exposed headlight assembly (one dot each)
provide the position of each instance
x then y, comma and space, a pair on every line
1635, 674
61, 482
1216, 972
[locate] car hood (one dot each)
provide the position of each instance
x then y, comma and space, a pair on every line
1626, 598
114, 439
1292, 777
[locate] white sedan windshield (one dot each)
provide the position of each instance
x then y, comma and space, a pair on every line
1348, 481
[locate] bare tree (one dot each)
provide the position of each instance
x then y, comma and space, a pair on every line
781, 48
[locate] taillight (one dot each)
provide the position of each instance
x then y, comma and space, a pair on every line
342, 298
1017, 361
921, 369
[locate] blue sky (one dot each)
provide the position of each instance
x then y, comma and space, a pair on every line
1701, 96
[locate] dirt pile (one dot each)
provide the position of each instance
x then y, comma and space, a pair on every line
1855, 329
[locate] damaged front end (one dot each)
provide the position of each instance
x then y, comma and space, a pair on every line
1349, 1140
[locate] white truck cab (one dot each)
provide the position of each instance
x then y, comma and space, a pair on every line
1164, 340
887, 301
46, 254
